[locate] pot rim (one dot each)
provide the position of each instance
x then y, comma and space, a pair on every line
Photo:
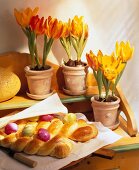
80, 67
27, 69
105, 103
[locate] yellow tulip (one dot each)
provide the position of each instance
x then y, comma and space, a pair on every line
110, 73
23, 17
110, 66
105, 61
124, 51
107, 67
78, 27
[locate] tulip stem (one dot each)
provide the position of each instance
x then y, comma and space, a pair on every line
99, 81
107, 90
117, 80
106, 83
32, 58
31, 44
36, 56
79, 45
46, 49
31, 52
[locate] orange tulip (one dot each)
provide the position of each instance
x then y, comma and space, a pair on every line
23, 17
53, 28
92, 60
37, 25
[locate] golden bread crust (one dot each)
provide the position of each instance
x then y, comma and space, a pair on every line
83, 134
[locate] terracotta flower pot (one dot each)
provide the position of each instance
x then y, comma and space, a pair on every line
75, 79
106, 112
39, 82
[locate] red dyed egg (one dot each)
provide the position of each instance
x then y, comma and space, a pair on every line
46, 118
43, 134
11, 128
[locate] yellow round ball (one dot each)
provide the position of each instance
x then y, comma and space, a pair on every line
9, 85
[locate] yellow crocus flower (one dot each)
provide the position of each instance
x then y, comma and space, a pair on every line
124, 51
110, 66
105, 61
23, 17
78, 27
110, 73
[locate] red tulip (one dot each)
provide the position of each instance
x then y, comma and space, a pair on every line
37, 25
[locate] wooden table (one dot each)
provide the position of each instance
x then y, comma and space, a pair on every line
127, 128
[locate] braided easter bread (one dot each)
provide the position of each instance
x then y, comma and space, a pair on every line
56, 141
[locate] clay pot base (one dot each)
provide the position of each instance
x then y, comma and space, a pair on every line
74, 93
113, 127
39, 97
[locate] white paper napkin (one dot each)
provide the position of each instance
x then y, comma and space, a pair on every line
48, 106
80, 150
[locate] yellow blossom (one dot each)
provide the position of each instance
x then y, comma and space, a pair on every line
105, 60
110, 66
124, 51
78, 27
110, 73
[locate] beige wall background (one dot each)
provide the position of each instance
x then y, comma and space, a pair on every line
108, 22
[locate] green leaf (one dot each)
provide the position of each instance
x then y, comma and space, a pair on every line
106, 83
117, 80
99, 81
48, 46
119, 76
36, 56
74, 43
66, 44
95, 74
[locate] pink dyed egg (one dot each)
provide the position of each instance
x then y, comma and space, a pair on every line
46, 118
43, 135
11, 128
